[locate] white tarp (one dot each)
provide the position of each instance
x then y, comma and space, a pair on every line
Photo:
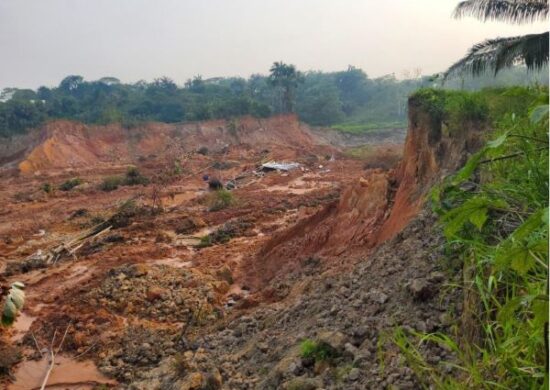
280, 166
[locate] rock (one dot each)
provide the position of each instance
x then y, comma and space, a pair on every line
321, 366
263, 347
377, 296
213, 380
362, 357
192, 381
436, 277
354, 374
350, 350
295, 367
334, 339
302, 383
154, 293
421, 289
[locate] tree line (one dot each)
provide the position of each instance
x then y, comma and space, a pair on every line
319, 98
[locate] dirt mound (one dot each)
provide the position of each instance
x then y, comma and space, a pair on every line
64, 144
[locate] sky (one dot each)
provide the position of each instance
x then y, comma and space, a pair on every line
42, 41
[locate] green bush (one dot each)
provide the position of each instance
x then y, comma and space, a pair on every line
311, 349
111, 183
499, 233
220, 199
206, 241
47, 188
70, 184
134, 177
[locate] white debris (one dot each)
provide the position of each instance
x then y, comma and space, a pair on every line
40, 233
272, 165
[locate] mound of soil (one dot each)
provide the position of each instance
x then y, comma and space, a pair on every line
64, 144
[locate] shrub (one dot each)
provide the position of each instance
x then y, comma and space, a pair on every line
205, 242
311, 349
70, 184
203, 150
134, 177
47, 188
111, 183
126, 211
219, 200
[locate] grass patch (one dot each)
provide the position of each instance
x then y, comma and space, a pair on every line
311, 349
133, 177
219, 200
47, 188
111, 183
360, 152
366, 128
70, 184
205, 242
225, 233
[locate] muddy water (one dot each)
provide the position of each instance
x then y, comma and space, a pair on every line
66, 374
21, 325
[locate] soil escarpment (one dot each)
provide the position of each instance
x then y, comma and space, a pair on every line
380, 204
431, 153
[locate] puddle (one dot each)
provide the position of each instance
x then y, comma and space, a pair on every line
195, 238
66, 374
21, 326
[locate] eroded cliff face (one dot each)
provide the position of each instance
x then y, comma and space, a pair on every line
431, 152
380, 204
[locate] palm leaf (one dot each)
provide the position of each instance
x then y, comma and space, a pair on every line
514, 11
497, 54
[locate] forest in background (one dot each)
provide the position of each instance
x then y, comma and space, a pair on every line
347, 100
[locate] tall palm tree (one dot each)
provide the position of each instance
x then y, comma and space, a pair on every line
499, 53
287, 78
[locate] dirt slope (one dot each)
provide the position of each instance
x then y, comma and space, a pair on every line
377, 206
64, 144
331, 252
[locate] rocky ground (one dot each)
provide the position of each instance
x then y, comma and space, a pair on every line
354, 313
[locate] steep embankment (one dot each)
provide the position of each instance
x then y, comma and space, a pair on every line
334, 329
64, 144
377, 206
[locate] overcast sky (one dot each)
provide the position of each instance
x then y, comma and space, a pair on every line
42, 41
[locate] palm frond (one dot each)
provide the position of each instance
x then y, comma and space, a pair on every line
497, 54
514, 11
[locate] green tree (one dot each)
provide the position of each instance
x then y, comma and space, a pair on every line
286, 78
71, 83
499, 53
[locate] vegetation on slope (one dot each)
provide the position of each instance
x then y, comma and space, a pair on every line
494, 214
